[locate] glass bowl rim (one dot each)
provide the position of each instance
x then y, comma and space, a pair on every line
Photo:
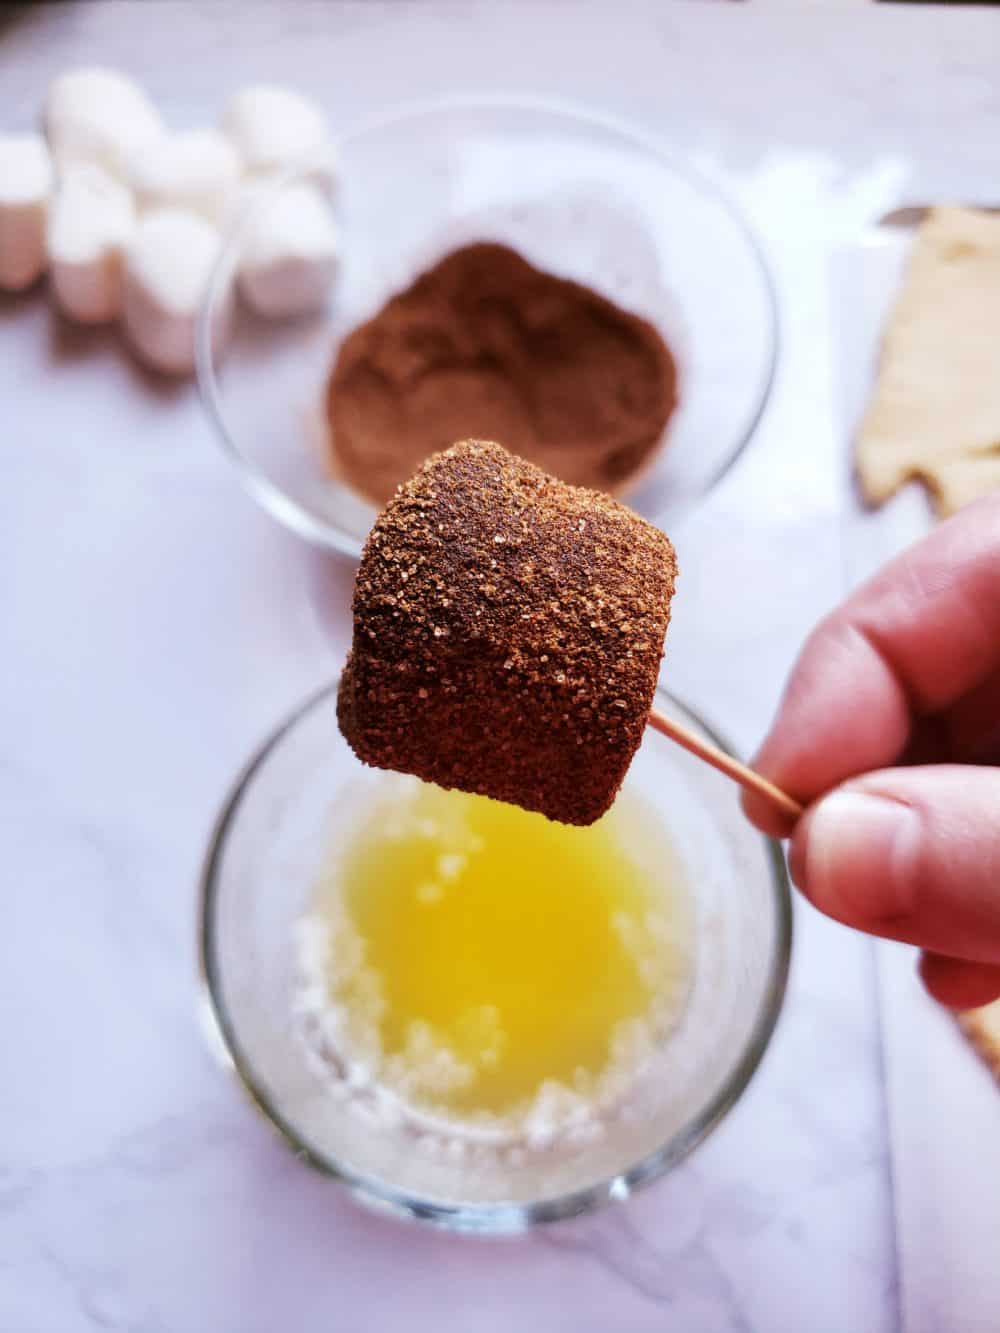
272, 497
490, 1218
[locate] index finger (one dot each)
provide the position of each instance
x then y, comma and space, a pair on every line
910, 642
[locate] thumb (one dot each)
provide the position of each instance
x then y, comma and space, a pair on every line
909, 853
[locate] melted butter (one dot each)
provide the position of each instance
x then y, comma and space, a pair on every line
480, 952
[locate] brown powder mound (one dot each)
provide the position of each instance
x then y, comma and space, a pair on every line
508, 631
485, 342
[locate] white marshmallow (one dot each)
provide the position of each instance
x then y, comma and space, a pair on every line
90, 224
247, 196
98, 115
288, 258
26, 181
198, 170
167, 270
275, 129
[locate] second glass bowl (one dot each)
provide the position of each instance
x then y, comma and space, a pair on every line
578, 195
279, 832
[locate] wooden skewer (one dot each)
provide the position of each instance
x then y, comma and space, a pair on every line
724, 763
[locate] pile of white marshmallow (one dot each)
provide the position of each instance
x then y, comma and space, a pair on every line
127, 216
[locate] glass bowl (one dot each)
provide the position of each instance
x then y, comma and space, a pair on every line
576, 194
278, 830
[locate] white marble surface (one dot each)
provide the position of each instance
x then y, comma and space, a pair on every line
155, 625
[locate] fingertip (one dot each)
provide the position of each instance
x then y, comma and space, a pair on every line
765, 815
957, 983
761, 811
797, 851
851, 855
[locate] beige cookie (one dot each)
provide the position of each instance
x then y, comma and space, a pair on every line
982, 1027
934, 413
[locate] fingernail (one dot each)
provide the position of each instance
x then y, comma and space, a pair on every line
858, 851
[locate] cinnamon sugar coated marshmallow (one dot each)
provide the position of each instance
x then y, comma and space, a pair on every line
508, 630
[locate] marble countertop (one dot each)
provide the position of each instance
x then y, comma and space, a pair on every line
156, 625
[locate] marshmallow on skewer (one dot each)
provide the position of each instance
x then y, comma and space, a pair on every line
26, 182
90, 224
167, 271
98, 115
508, 630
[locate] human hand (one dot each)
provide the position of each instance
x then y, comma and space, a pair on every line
889, 733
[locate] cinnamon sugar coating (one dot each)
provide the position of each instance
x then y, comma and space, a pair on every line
508, 630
